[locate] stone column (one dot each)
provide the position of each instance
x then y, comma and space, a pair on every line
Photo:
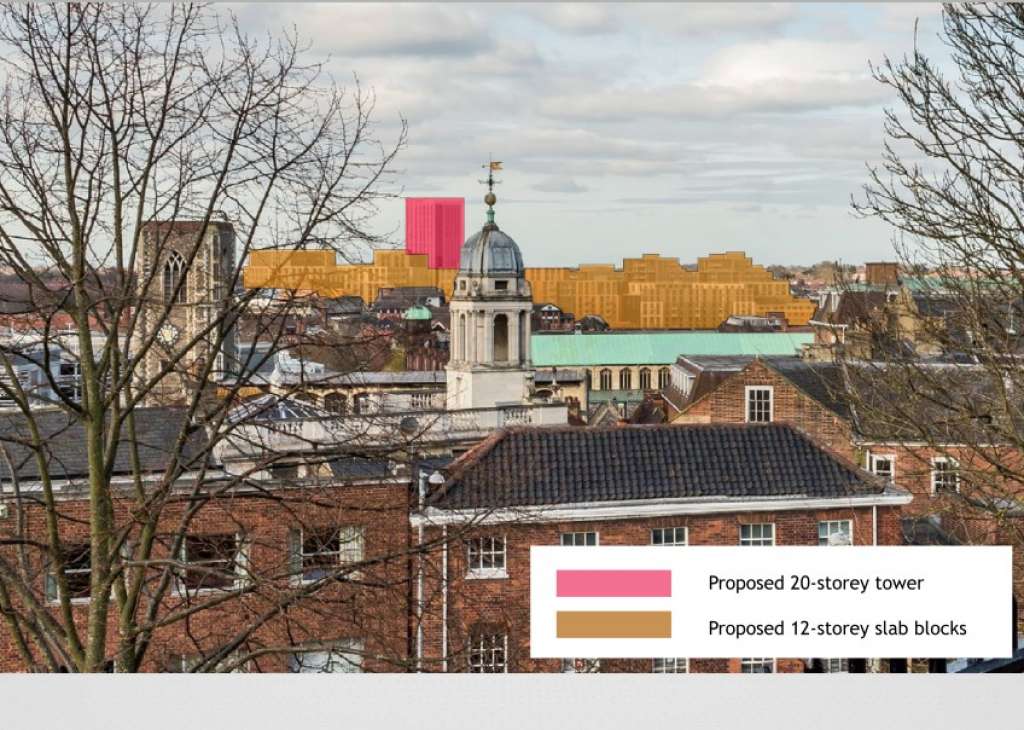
488, 336
526, 337
512, 324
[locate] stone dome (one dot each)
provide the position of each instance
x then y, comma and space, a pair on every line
489, 252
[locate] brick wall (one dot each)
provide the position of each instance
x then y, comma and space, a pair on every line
373, 607
503, 604
727, 404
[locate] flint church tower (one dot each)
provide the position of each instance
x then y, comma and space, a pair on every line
490, 319
183, 271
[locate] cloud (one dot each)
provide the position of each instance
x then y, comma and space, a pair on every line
369, 29
662, 18
559, 185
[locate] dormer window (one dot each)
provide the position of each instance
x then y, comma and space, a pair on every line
501, 284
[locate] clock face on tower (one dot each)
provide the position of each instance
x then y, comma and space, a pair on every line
168, 334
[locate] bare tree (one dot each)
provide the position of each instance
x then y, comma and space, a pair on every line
146, 150
946, 378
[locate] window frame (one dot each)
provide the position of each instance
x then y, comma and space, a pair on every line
748, 390
872, 465
590, 666
480, 572
829, 533
344, 649
299, 555
491, 666
663, 668
664, 378
954, 471
604, 376
51, 585
752, 541
574, 533
674, 531
625, 379
758, 661
645, 376
240, 559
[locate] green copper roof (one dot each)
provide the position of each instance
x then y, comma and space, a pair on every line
657, 348
417, 312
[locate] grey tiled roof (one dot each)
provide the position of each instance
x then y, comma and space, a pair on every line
524, 467
63, 447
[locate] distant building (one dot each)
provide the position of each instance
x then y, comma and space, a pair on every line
624, 365
771, 322
548, 317
650, 292
435, 227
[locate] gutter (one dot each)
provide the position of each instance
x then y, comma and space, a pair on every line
635, 509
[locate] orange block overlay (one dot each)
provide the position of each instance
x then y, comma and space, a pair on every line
614, 625
650, 292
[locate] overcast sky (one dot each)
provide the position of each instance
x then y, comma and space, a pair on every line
624, 129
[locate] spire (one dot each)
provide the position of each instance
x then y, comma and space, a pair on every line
490, 182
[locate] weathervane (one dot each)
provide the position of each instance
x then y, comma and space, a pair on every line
490, 182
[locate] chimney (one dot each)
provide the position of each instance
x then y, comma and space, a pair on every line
881, 273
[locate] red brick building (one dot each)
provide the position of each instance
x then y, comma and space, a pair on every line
957, 489
309, 551
756, 485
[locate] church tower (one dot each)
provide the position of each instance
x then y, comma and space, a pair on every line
490, 320
188, 268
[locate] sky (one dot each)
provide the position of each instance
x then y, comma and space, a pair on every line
625, 129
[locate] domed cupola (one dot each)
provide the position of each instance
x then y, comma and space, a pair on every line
490, 252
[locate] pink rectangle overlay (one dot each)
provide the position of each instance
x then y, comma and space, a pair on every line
614, 583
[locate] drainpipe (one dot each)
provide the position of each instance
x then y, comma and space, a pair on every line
444, 599
421, 486
874, 524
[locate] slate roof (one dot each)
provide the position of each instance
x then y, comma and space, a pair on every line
157, 430
544, 466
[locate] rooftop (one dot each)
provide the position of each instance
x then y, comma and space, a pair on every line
657, 347
533, 467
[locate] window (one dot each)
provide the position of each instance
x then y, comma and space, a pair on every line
69, 381
674, 665
668, 536
501, 284
77, 573
335, 402
761, 534
174, 275
757, 666
759, 403
486, 557
835, 666
664, 378
645, 378
835, 532
581, 666
344, 658
945, 476
215, 562
319, 553
284, 471
883, 465
579, 539
625, 379
488, 653
606, 379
